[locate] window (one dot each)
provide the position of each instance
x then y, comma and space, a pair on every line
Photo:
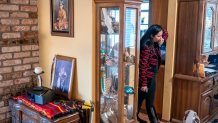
144, 16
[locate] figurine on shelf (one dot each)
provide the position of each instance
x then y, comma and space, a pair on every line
204, 60
129, 58
198, 69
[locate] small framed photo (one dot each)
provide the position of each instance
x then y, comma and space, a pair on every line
62, 18
63, 70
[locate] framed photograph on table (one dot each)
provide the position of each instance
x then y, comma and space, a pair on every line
62, 18
63, 70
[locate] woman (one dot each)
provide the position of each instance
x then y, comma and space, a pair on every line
150, 61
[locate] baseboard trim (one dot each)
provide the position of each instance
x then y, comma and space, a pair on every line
176, 121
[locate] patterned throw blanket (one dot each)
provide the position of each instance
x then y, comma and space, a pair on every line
51, 110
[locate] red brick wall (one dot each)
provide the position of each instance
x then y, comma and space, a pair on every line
19, 50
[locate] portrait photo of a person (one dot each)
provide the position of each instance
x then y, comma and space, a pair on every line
62, 76
61, 15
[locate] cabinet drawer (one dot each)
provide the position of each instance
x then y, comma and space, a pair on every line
215, 99
27, 119
216, 80
205, 104
206, 85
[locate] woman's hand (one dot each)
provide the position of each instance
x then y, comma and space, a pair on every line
144, 89
161, 42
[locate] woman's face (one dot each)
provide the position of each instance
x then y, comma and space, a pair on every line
157, 37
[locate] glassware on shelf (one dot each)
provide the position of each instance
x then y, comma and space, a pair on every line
109, 64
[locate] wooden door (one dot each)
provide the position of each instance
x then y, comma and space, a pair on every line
159, 12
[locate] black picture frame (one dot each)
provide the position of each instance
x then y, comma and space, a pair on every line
62, 18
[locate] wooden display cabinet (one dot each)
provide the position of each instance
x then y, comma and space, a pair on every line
117, 60
197, 23
193, 93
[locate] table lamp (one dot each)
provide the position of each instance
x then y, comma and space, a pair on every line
38, 71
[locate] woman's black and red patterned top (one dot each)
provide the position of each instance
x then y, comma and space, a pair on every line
149, 63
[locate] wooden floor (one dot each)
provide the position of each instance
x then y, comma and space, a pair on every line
145, 118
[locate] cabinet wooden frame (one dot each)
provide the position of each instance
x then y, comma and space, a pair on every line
122, 5
216, 30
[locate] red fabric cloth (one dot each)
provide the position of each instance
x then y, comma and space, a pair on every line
49, 110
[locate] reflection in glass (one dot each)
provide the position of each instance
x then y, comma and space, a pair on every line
144, 17
145, 6
143, 27
130, 45
109, 51
208, 29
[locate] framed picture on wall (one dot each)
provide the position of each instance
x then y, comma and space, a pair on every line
63, 70
62, 18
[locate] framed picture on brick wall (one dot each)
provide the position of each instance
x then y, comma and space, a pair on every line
63, 70
62, 18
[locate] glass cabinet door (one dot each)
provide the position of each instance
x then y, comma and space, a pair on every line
109, 51
117, 52
129, 62
208, 31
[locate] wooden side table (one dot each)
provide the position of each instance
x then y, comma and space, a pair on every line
23, 114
